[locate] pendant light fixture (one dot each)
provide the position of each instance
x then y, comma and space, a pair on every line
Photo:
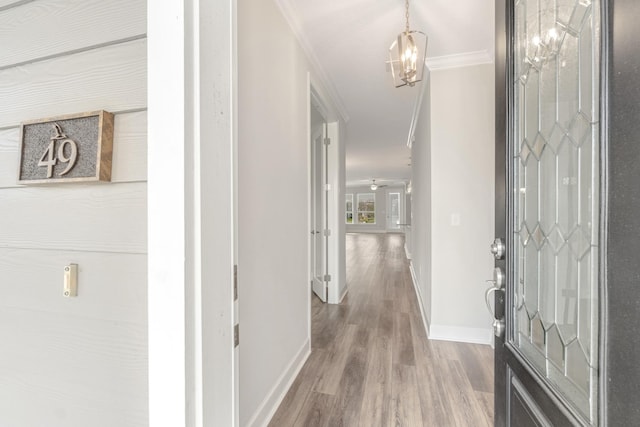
406, 55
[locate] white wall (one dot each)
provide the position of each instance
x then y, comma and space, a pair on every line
381, 208
457, 199
421, 257
78, 361
273, 144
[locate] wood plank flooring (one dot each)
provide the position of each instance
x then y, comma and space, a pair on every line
371, 362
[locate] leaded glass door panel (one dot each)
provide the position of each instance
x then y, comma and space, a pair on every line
555, 143
548, 181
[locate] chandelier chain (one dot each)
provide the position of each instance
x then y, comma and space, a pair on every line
406, 5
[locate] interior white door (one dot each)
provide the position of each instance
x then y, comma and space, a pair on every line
318, 215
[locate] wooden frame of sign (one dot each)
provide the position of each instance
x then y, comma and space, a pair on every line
72, 148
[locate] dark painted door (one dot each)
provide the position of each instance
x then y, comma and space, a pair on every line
567, 291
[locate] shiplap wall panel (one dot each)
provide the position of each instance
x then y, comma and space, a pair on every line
130, 147
129, 151
10, 3
101, 296
111, 78
81, 371
81, 217
46, 28
74, 361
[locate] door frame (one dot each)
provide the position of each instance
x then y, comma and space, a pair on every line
192, 360
336, 181
317, 225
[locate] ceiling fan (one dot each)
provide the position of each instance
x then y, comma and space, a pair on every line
375, 186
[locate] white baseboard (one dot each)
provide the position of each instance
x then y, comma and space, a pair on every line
460, 334
367, 231
344, 294
274, 398
407, 253
331, 300
423, 313
450, 333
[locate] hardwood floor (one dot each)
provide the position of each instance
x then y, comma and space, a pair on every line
371, 362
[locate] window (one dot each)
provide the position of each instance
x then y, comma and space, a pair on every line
349, 209
367, 208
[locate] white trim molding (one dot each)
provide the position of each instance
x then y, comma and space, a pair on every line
447, 332
460, 334
289, 14
270, 404
459, 60
192, 368
423, 313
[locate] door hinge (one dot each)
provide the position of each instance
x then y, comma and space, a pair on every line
236, 335
327, 141
327, 278
327, 232
235, 282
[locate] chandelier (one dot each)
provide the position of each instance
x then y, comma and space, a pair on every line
406, 55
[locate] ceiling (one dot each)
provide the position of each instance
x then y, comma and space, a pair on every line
348, 41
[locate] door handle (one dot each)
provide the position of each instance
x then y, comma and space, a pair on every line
498, 285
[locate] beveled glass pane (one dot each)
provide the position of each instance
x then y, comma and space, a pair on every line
520, 198
548, 190
587, 79
579, 129
555, 146
587, 283
547, 285
520, 112
531, 192
567, 295
537, 334
577, 367
524, 324
538, 237
531, 279
580, 14
579, 243
567, 188
548, 100
556, 240
520, 51
588, 175
556, 138
531, 111
568, 88
555, 348
564, 10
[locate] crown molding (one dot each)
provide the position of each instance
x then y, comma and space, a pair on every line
459, 60
288, 12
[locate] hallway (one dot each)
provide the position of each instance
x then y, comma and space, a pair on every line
371, 362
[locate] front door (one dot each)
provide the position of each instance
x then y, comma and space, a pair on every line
561, 191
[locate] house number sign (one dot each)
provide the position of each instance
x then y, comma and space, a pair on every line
76, 148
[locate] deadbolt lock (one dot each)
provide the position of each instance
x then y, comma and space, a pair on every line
498, 248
